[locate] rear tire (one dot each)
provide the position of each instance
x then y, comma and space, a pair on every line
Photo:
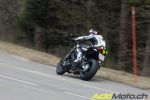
90, 73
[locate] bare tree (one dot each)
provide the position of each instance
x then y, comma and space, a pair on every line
124, 32
146, 64
39, 37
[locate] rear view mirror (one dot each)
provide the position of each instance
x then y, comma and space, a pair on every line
72, 35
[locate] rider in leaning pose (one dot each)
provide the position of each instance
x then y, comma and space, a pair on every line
96, 40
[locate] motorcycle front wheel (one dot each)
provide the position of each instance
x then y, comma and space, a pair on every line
61, 69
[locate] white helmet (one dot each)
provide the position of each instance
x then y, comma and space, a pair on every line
93, 31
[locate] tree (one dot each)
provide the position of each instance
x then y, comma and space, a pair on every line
9, 10
146, 68
124, 56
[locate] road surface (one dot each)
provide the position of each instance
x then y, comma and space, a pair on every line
22, 79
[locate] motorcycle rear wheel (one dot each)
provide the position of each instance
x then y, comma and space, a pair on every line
90, 73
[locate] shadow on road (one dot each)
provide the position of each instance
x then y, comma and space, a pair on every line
94, 79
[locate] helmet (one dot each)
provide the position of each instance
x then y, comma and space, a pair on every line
93, 31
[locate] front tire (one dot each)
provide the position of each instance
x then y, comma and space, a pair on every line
90, 73
60, 69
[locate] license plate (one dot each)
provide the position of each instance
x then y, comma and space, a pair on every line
101, 57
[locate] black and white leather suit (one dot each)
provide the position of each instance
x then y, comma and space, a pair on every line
96, 41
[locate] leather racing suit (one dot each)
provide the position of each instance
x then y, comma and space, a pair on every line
96, 41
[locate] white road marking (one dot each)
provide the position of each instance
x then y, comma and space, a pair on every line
3, 52
20, 58
54, 68
59, 78
77, 95
18, 80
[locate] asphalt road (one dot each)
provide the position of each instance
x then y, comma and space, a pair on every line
22, 79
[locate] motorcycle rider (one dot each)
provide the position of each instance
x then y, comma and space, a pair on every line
96, 40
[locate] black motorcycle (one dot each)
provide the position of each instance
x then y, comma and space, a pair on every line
92, 59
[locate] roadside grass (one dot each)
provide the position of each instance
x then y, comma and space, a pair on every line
49, 59
31, 54
124, 77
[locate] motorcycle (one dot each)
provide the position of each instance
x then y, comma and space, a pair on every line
92, 59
